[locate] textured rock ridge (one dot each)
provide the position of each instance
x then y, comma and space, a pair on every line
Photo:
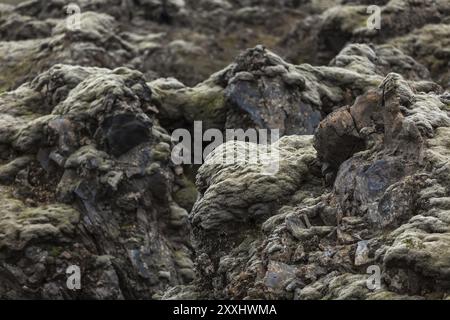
91, 186
358, 180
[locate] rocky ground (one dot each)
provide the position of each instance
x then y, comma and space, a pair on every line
87, 177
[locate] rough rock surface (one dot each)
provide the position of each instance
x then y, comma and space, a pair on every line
260, 90
88, 182
298, 239
359, 179
419, 28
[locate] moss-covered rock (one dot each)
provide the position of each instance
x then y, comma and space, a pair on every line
20, 224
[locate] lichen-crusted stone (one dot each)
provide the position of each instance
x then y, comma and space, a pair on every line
186, 39
18, 27
226, 195
261, 90
380, 59
20, 224
323, 35
23, 60
85, 150
418, 258
392, 184
429, 45
236, 198
91, 170
387, 208
181, 105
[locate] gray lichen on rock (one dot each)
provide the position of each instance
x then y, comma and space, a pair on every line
361, 175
